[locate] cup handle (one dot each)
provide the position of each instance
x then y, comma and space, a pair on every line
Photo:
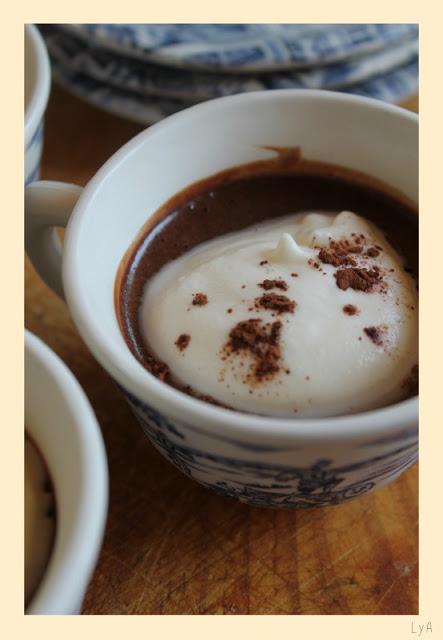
48, 205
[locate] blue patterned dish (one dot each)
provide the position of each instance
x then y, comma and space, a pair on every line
395, 86
122, 72
243, 47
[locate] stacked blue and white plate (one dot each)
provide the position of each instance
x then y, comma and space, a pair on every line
148, 71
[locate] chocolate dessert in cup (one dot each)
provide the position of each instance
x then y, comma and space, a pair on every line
271, 460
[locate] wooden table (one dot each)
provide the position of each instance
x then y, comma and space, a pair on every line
173, 547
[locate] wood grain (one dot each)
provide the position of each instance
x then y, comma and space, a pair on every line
171, 546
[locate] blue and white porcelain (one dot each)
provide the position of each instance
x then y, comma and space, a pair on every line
273, 462
395, 86
75, 56
398, 85
37, 86
292, 476
242, 47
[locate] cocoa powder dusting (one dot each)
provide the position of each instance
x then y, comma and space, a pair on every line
182, 341
357, 279
350, 309
336, 257
273, 284
346, 246
338, 253
275, 302
259, 340
159, 369
199, 299
375, 334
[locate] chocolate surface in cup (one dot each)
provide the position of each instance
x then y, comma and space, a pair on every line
40, 518
238, 198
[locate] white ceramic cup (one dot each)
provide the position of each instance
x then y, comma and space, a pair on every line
37, 87
61, 422
260, 460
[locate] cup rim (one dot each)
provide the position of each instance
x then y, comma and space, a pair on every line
176, 404
42, 82
64, 583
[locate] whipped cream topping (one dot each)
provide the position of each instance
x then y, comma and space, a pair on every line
307, 315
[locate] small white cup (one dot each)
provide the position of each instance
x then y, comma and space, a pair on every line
260, 460
37, 87
60, 420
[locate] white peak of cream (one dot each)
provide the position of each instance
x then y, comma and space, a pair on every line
287, 251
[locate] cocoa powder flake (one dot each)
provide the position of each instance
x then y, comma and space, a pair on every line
199, 299
335, 257
273, 284
182, 341
275, 302
375, 334
259, 340
350, 309
357, 279
159, 369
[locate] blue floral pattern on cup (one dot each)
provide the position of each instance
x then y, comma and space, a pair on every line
252, 475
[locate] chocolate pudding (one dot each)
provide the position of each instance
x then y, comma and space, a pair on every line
263, 194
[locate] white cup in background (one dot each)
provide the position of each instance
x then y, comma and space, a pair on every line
37, 87
62, 424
